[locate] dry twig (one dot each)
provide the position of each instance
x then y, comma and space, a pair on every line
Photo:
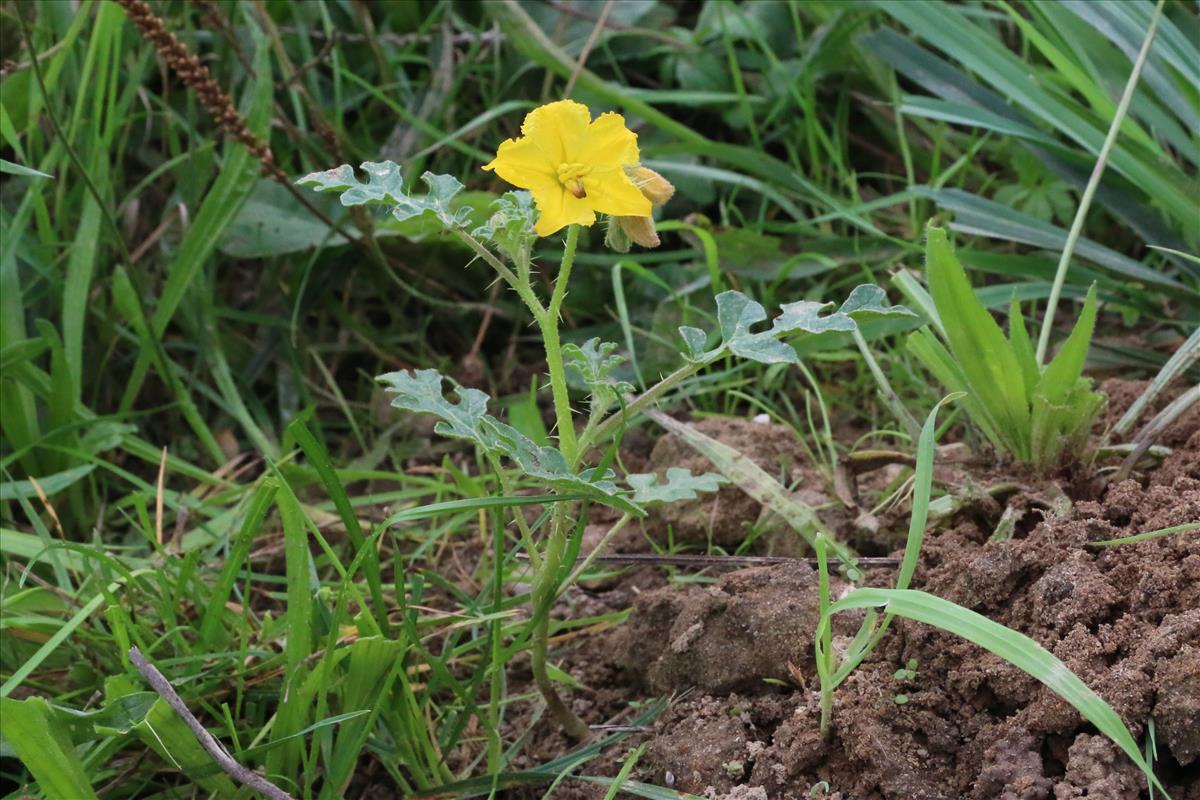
243, 775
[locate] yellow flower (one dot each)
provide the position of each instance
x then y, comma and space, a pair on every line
573, 165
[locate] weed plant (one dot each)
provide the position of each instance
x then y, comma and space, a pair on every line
589, 164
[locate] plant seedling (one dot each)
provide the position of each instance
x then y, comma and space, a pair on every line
1039, 415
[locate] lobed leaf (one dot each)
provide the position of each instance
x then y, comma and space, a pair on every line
421, 391
384, 185
442, 189
737, 314
695, 341
679, 484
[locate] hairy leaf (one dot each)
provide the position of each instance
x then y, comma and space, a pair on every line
594, 362
421, 391
695, 341
442, 189
510, 227
679, 484
737, 314
384, 184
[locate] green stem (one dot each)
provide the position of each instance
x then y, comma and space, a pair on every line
634, 407
522, 288
824, 644
545, 591
1093, 183
574, 727
548, 323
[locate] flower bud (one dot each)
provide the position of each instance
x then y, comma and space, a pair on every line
654, 187
640, 230
622, 231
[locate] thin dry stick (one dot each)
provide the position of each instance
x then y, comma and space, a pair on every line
703, 561
587, 46
158, 497
243, 775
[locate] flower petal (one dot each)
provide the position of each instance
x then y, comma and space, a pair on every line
609, 143
557, 129
521, 163
560, 208
612, 192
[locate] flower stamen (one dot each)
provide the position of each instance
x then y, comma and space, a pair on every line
570, 175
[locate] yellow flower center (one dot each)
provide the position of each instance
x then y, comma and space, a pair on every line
570, 176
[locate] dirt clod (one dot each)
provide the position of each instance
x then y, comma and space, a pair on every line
1177, 709
725, 637
1097, 769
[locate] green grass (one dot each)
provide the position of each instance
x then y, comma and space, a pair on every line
163, 304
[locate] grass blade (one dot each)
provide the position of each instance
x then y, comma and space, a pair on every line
318, 457
979, 346
1014, 647
1089, 192
44, 747
984, 217
1065, 369
260, 504
235, 182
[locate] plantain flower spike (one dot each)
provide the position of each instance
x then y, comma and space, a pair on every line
574, 166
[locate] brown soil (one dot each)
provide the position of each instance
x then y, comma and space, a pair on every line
736, 656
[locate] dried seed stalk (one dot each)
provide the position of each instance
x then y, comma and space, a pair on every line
197, 78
